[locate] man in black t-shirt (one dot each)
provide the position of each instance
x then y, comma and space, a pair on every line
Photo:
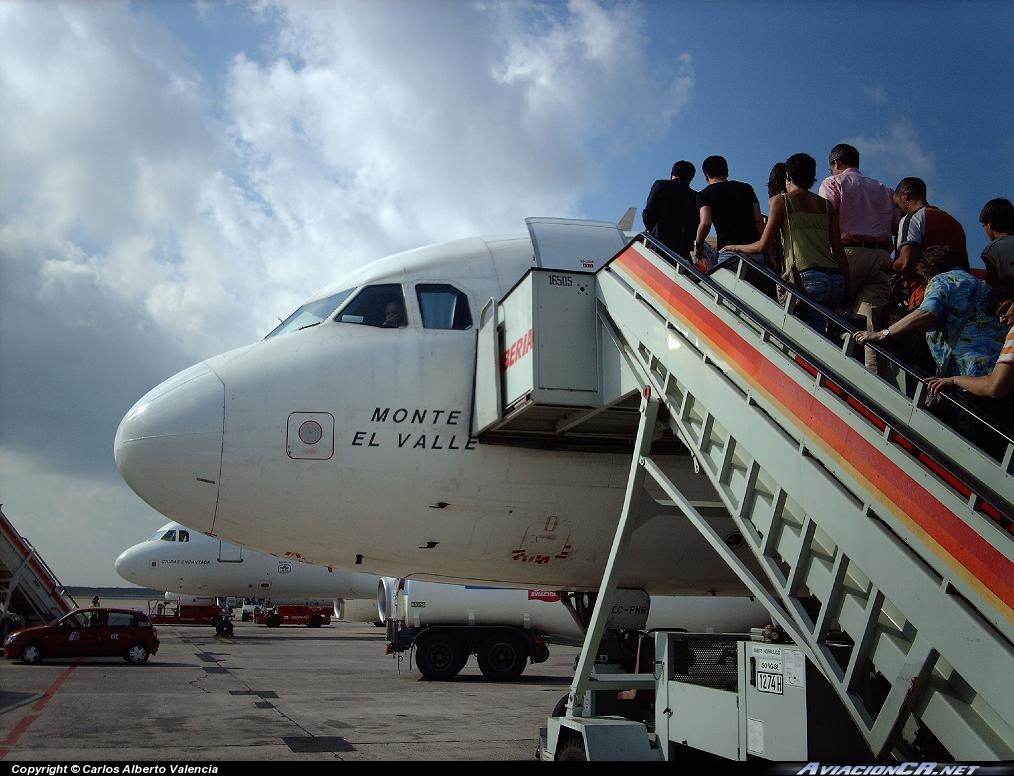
731, 206
671, 213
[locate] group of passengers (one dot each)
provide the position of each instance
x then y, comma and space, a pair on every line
836, 248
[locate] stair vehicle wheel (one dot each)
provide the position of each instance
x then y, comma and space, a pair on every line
560, 709
572, 751
502, 658
33, 653
439, 656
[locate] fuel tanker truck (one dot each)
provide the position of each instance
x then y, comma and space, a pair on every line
506, 628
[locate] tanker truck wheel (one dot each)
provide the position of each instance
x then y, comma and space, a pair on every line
502, 658
439, 656
224, 628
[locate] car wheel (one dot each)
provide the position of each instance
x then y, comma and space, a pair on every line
137, 654
33, 654
502, 658
440, 657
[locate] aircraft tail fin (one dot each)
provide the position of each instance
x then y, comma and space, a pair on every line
626, 223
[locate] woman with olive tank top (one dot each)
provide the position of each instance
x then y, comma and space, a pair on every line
810, 236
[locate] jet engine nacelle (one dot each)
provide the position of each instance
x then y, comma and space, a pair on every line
356, 610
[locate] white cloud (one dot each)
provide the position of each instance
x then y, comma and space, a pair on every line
899, 154
877, 94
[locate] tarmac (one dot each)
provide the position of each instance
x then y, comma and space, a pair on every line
291, 693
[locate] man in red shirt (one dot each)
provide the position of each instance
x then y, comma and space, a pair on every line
922, 226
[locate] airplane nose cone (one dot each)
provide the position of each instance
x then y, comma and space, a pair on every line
168, 447
127, 566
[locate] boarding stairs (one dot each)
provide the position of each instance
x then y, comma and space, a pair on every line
884, 538
28, 587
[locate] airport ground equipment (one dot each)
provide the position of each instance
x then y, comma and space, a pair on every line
28, 586
730, 696
293, 614
179, 613
880, 537
471, 615
446, 624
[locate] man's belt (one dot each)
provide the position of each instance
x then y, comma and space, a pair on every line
881, 244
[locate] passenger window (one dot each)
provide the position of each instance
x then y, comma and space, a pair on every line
443, 307
382, 306
184, 536
169, 536
120, 620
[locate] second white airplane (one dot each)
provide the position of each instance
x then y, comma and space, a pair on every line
179, 560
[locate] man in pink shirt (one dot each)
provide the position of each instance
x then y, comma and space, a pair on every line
868, 221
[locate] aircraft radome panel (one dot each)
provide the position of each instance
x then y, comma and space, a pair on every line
310, 436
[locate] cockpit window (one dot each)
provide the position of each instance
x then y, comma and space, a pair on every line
184, 536
169, 536
382, 306
443, 307
311, 314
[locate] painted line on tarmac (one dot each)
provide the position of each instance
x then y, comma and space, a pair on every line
19, 730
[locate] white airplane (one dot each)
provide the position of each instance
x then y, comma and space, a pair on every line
185, 562
343, 438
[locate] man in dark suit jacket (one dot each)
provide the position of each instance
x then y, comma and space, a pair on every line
671, 212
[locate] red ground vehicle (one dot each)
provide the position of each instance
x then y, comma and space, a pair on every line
310, 616
94, 632
176, 613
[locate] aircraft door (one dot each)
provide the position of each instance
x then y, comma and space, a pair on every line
229, 553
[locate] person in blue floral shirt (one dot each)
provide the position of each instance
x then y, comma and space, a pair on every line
963, 335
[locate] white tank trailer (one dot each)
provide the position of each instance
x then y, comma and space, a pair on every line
505, 628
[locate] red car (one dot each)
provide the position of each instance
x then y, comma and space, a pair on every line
96, 632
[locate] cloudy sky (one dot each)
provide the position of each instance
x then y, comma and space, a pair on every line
175, 176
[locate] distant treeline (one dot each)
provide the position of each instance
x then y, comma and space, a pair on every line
112, 592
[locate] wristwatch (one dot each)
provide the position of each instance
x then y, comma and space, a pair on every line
886, 333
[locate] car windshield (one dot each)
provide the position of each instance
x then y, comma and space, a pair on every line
311, 314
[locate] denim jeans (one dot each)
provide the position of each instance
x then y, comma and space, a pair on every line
824, 287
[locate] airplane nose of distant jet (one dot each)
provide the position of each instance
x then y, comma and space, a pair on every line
168, 447
129, 564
